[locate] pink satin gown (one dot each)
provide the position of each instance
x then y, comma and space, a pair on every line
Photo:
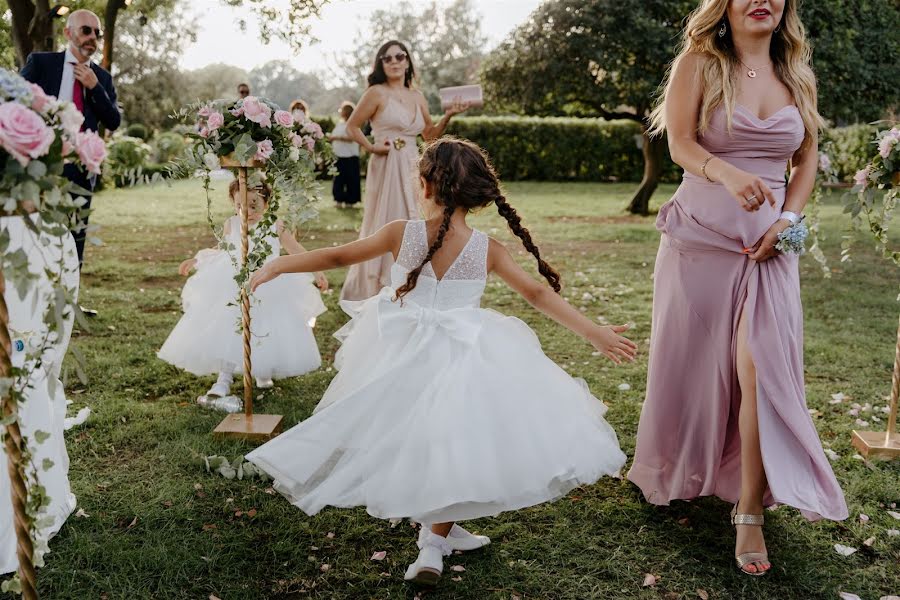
390, 192
688, 442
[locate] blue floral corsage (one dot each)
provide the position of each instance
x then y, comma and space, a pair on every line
793, 239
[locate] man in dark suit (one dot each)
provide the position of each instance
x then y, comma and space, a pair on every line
71, 76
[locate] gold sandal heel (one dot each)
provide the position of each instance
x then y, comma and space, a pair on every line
747, 558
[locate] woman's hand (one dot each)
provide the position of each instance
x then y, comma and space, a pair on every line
748, 189
185, 267
267, 272
457, 107
612, 345
321, 281
764, 249
382, 150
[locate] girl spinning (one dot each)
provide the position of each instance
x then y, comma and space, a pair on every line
443, 411
207, 339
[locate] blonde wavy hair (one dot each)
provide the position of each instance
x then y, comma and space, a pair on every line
790, 55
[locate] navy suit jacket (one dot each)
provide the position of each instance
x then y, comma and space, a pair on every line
46, 69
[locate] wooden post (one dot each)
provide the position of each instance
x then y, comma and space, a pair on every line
247, 425
884, 444
14, 448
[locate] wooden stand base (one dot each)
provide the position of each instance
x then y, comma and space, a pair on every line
254, 427
877, 443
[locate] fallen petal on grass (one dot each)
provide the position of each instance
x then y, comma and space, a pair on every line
649, 580
844, 550
379, 555
458, 568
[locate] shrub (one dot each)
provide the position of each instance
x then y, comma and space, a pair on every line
128, 156
849, 148
167, 146
137, 130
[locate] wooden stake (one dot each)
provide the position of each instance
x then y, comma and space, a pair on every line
884, 444
247, 426
14, 449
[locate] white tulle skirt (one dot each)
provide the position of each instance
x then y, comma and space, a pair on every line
441, 416
45, 406
208, 338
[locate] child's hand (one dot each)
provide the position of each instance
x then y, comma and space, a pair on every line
321, 281
265, 273
615, 347
185, 267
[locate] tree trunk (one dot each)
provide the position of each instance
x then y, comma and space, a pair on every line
32, 28
654, 155
109, 31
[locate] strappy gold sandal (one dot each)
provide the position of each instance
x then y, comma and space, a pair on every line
747, 558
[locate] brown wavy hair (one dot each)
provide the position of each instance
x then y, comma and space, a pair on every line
462, 176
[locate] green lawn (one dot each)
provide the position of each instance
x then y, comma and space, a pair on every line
159, 526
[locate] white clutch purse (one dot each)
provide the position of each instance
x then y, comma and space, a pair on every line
471, 94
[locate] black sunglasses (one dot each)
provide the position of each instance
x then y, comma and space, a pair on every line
389, 58
87, 30
244, 92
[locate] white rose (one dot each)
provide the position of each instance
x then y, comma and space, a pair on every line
71, 119
294, 154
211, 161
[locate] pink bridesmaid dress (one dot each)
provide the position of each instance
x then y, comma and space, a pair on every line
688, 441
390, 192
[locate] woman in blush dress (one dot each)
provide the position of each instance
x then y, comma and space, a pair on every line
398, 113
725, 412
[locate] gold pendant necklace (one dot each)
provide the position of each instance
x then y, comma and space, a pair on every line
751, 72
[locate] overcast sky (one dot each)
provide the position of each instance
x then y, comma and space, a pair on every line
220, 40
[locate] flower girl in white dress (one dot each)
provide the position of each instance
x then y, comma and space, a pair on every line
208, 340
443, 411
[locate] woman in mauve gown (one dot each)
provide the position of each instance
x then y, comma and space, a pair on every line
725, 412
399, 113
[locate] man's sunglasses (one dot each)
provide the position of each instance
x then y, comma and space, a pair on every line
87, 30
389, 58
244, 92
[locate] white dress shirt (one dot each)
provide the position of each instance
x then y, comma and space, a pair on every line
68, 76
343, 149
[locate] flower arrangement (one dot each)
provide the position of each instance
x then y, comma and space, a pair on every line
255, 132
39, 135
874, 195
793, 239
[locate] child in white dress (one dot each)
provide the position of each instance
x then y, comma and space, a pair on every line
443, 411
208, 339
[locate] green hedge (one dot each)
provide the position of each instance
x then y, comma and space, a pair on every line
568, 149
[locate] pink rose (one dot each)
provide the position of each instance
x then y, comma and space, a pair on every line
237, 111
309, 142
861, 177
887, 144
264, 150
284, 118
204, 132
296, 140
67, 146
23, 132
824, 162
314, 129
256, 111
215, 121
205, 111
39, 100
91, 150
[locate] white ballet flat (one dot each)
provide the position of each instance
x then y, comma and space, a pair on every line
460, 539
264, 384
428, 566
222, 386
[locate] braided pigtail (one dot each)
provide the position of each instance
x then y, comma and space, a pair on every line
515, 225
413, 276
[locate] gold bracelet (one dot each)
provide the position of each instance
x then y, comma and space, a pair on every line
703, 167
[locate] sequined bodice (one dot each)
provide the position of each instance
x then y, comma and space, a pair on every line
463, 283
